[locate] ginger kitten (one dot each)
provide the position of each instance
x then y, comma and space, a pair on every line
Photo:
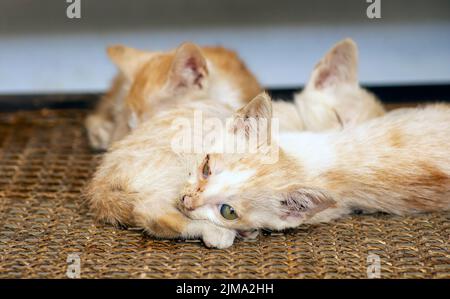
398, 163
149, 82
140, 179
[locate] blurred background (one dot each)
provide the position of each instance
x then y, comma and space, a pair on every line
43, 51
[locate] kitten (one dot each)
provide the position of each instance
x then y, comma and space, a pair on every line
139, 181
398, 163
333, 97
149, 82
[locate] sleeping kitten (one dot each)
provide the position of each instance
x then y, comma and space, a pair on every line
149, 82
399, 164
139, 181
333, 97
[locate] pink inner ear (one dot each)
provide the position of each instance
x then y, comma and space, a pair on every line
323, 78
196, 75
338, 66
192, 64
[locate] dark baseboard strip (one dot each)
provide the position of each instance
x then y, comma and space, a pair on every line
388, 94
48, 101
395, 94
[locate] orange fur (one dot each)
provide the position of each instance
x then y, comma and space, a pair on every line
233, 68
151, 82
399, 163
140, 180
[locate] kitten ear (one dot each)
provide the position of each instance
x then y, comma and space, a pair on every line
260, 108
339, 65
300, 203
189, 67
127, 59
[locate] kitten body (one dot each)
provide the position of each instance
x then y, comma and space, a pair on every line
398, 163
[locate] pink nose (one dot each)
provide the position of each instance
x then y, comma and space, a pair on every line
188, 202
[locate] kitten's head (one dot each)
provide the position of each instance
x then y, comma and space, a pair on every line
243, 192
333, 97
160, 79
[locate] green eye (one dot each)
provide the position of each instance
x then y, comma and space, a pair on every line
228, 212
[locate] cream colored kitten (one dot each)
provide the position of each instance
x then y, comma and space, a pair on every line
399, 164
140, 180
332, 98
150, 82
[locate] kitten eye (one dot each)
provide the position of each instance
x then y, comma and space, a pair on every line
206, 171
228, 212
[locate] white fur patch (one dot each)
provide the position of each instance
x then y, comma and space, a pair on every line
205, 212
313, 150
211, 214
227, 180
222, 90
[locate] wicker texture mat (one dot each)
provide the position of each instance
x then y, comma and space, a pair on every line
45, 162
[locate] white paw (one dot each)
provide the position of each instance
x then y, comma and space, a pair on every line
219, 238
99, 132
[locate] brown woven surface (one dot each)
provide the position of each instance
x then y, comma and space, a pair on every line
45, 162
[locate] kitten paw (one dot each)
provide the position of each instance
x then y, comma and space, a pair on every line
219, 238
99, 132
248, 234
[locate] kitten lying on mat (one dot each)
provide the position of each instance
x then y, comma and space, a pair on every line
149, 82
139, 181
398, 163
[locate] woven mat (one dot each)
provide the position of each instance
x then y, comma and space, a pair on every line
45, 163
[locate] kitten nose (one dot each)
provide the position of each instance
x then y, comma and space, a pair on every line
187, 202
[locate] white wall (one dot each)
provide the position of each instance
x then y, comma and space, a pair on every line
41, 50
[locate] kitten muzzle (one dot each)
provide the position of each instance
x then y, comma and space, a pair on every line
188, 202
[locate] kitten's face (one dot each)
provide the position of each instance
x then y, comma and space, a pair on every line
238, 192
159, 80
244, 192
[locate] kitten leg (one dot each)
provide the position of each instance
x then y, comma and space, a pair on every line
103, 123
211, 234
99, 131
174, 224
103, 129
329, 215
